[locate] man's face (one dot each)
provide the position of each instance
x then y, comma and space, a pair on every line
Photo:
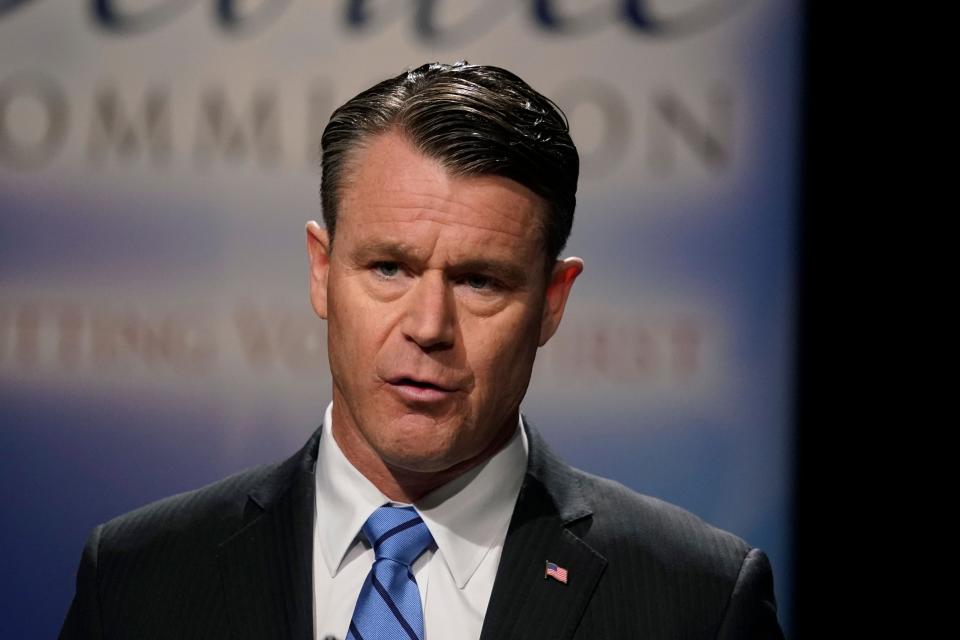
436, 301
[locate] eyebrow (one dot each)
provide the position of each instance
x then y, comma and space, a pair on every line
508, 272
384, 250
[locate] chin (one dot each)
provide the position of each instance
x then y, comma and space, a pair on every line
419, 463
424, 459
423, 444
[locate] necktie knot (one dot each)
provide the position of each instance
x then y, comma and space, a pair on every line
398, 534
389, 607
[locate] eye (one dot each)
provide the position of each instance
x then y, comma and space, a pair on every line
479, 282
386, 269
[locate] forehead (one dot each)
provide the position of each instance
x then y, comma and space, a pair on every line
390, 188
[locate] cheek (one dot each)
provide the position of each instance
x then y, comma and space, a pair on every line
502, 358
354, 334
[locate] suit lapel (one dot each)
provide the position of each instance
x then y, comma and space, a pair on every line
267, 566
524, 604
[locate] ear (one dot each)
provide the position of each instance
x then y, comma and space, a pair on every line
318, 251
558, 288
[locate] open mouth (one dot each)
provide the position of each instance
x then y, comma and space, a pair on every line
420, 384
419, 392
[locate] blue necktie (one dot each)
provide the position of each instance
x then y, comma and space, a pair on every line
388, 607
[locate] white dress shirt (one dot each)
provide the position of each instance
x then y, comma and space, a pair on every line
468, 519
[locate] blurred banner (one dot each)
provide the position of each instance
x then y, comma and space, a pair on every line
158, 162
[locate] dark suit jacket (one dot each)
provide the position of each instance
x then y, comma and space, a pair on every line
234, 560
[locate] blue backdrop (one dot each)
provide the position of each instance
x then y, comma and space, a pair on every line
158, 160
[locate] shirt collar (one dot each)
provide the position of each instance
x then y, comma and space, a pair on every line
467, 517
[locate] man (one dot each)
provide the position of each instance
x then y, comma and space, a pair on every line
426, 506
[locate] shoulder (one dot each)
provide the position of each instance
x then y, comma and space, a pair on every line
204, 515
666, 572
628, 524
629, 528
210, 514
678, 572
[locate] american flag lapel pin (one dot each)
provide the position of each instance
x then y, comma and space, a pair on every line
556, 572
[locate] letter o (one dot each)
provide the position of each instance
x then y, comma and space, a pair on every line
52, 100
614, 143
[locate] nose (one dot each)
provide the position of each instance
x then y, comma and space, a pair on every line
430, 314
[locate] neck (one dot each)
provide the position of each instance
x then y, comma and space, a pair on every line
402, 484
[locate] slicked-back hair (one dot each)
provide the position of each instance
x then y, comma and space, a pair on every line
474, 120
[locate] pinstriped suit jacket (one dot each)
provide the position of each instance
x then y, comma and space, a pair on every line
234, 560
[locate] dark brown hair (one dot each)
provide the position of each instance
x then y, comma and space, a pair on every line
473, 119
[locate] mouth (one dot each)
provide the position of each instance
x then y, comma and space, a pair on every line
420, 391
